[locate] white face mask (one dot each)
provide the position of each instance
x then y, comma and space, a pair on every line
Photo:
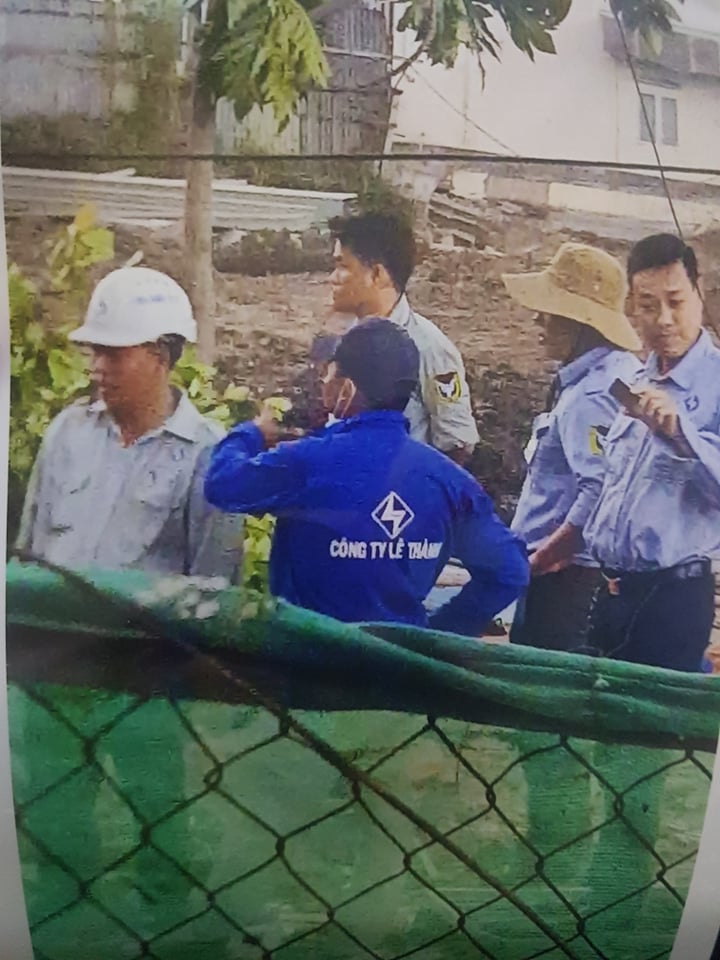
344, 400
345, 396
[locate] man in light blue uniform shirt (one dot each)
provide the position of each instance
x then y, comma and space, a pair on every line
374, 256
118, 481
117, 484
656, 525
578, 303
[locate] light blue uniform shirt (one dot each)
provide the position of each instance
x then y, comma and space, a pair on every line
91, 502
658, 509
565, 462
439, 411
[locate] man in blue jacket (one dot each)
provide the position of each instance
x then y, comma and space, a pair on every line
367, 516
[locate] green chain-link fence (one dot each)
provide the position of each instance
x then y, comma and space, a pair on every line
283, 787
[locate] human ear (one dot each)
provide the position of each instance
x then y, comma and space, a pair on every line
380, 277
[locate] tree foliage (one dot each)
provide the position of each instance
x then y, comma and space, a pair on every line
269, 52
442, 27
261, 52
647, 16
46, 371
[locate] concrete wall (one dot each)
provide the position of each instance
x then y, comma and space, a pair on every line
73, 56
578, 105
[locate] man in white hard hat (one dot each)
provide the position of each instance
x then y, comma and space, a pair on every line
578, 302
118, 481
117, 484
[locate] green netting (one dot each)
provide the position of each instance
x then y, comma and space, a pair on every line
195, 777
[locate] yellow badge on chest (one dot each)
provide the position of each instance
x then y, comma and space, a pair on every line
594, 440
448, 386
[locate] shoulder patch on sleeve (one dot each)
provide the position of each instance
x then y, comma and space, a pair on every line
448, 386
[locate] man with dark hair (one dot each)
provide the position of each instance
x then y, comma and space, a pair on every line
367, 516
663, 249
656, 525
374, 258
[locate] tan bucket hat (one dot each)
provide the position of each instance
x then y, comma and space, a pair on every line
584, 284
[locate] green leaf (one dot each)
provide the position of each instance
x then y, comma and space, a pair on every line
652, 40
58, 278
85, 218
443, 26
34, 334
279, 406
100, 243
65, 372
221, 413
235, 10
234, 392
270, 55
542, 40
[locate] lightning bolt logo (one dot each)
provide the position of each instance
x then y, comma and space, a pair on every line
392, 514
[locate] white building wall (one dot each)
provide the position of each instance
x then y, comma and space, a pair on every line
577, 105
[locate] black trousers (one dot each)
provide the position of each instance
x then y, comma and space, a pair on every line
554, 612
655, 620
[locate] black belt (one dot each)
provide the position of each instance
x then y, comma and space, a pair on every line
619, 579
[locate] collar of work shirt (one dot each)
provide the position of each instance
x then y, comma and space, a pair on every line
182, 421
686, 371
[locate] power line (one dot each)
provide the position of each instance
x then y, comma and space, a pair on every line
653, 138
460, 113
10, 158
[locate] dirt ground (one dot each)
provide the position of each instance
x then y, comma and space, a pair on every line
267, 322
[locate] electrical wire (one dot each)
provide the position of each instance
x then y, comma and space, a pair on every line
460, 113
10, 157
653, 138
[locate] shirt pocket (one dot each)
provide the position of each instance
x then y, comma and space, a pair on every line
548, 456
540, 428
70, 503
672, 471
158, 501
620, 445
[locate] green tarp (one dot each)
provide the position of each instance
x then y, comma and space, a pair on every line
300, 788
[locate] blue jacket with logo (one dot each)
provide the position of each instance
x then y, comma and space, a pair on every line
367, 518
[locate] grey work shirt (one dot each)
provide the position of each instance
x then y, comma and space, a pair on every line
92, 502
439, 410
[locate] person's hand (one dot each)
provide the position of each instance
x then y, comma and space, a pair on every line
268, 424
272, 429
291, 433
656, 409
540, 563
712, 655
460, 455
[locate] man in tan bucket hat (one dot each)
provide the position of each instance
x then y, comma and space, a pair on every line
578, 302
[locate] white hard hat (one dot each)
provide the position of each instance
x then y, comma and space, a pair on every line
135, 305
